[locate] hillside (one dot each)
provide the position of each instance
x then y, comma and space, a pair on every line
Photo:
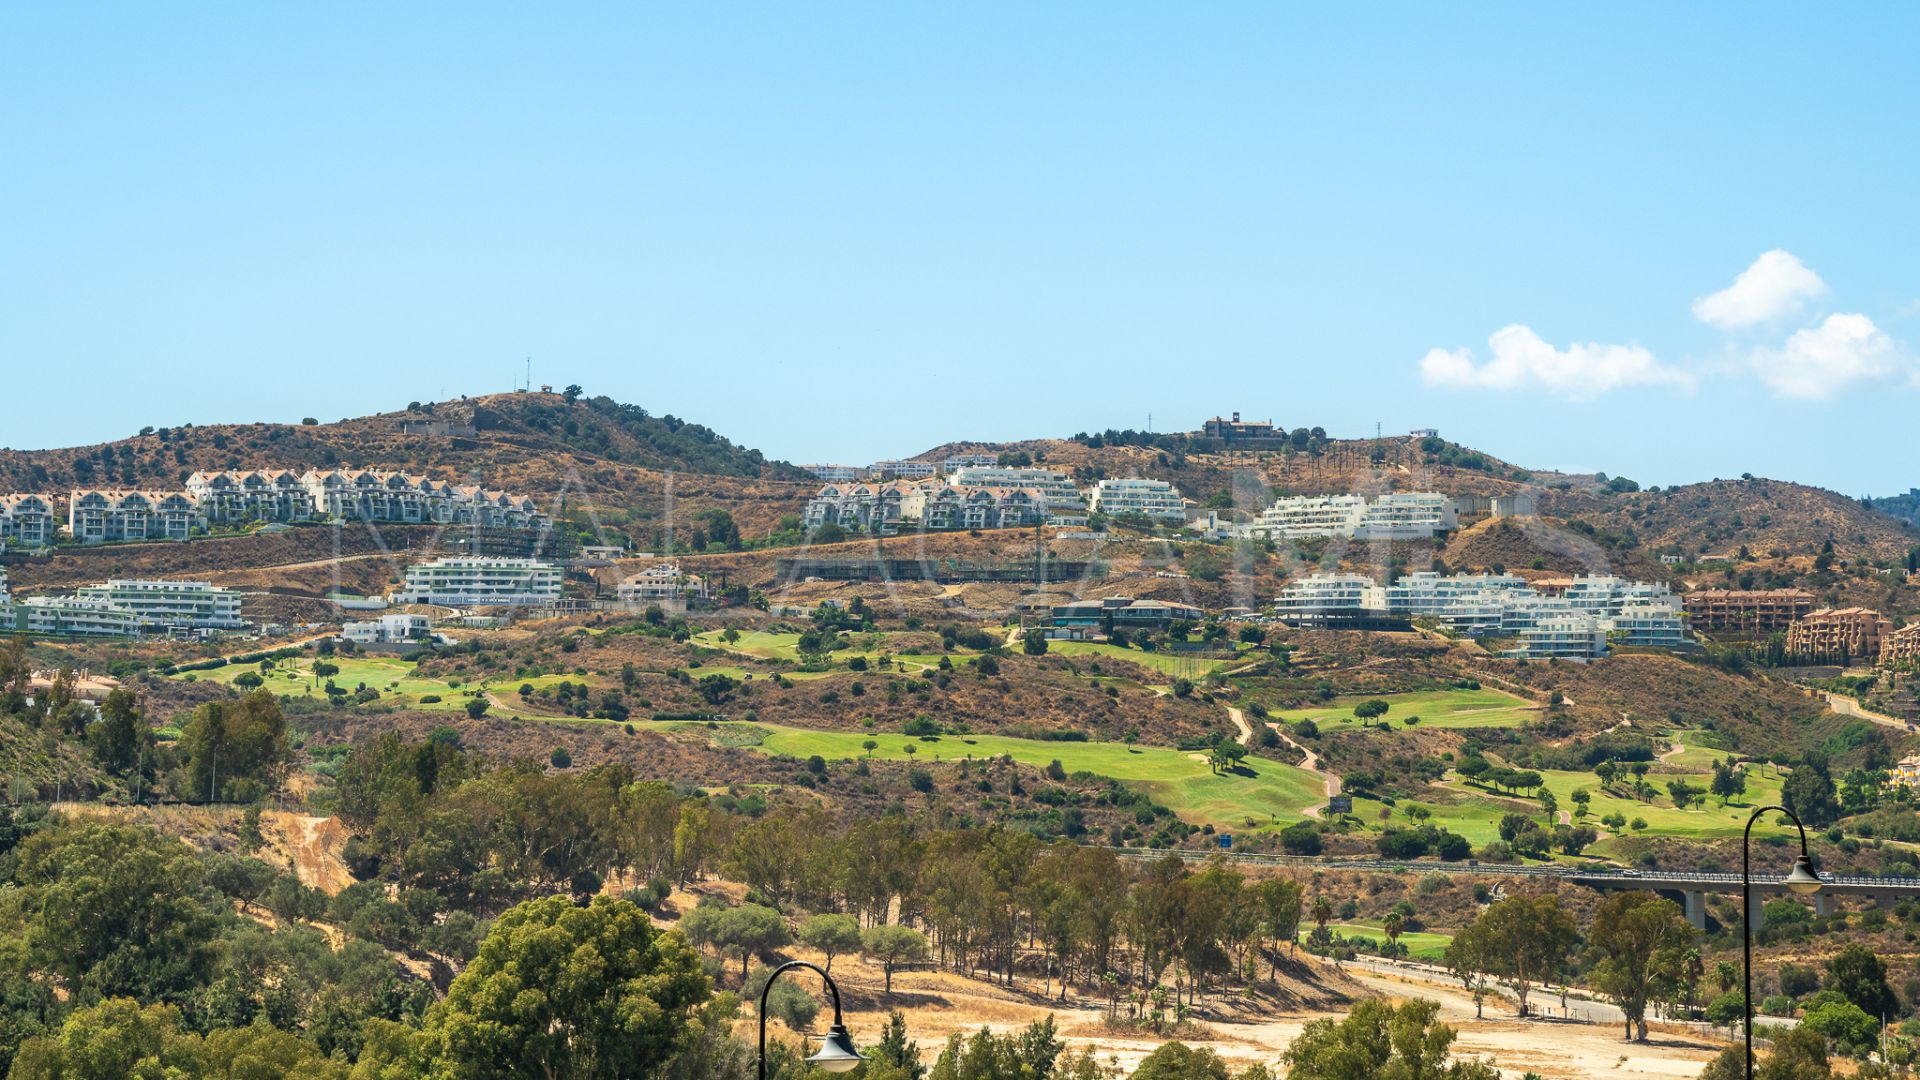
601, 463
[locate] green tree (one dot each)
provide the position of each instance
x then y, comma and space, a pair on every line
120, 739
231, 741
1849, 1026
1521, 940
1798, 1053
1380, 1041
1178, 1061
892, 945
832, 934
1639, 944
115, 910
1808, 792
1034, 642
1858, 975
116, 1039
751, 930
559, 990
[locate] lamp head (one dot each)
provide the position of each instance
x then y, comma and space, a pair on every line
1802, 879
836, 1053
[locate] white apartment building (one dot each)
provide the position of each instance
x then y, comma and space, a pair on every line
469, 580
378, 496
942, 506
663, 585
100, 516
1064, 504
903, 470
1602, 594
1646, 625
857, 507
964, 461
387, 630
1133, 495
1404, 515
26, 521
1569, 637
195, 604
1322, 593
251, 495
835, 474
72, 617
1431, 594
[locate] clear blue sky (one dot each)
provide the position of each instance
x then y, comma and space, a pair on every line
845, 232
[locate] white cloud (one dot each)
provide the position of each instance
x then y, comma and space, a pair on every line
1522, 360
1823, 360
1776, 284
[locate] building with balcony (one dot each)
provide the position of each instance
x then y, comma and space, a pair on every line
1902, 647
1652, 626
1566, 637
1062, 500
1135, 496
1405, 515
664, 586
1747, 611
388, 630
104, 516
835, 474
26, 521
191, 604
1119, 613
253, 495
50, 616
857, 507
901, 470
377, 496
1836, 634
472, 581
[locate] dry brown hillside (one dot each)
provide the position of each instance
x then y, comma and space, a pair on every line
1768, 517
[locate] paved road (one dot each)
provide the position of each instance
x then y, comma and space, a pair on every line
1847, 706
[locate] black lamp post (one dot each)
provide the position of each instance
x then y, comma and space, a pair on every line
836, 1053
1801, 880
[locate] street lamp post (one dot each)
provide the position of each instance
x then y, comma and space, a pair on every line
1801, 879
836, 1053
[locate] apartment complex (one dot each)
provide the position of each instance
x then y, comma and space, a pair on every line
102, 516
50, 616
26, 521
901, 470
1083, 618
463, 581
252, 495
191, 604
1063, 501
1147, 498
1587, 610
1747, 611
835, 474
375, 496
388, 630
943, 506
857, 507
1831, 633
663, 585
1405, 515
1901, 649
1229, 433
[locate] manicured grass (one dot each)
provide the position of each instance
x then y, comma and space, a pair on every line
1183, 782
394, 678
1478, 816
1435, 708
756, 674
1172, 665
1420, 945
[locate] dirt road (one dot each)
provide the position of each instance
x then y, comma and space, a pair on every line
1847, 706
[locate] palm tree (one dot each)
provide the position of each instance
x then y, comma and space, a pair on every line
1322, 911
1393, 925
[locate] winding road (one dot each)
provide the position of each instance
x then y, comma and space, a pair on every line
1310, 761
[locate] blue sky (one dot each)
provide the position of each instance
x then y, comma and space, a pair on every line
846, 232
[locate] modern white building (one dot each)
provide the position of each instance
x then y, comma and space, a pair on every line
1603, 594
467, 580
1569, 637
26, 521
665, 586
835, 474
1133, 495
1323, 593
1404, 515
72, 617
387, 630
194, 604
902, 470
1646, 625
101, 516
964, 461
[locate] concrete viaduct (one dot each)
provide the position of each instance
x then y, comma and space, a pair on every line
1689, 887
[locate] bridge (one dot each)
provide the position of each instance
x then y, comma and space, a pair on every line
1690, 887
